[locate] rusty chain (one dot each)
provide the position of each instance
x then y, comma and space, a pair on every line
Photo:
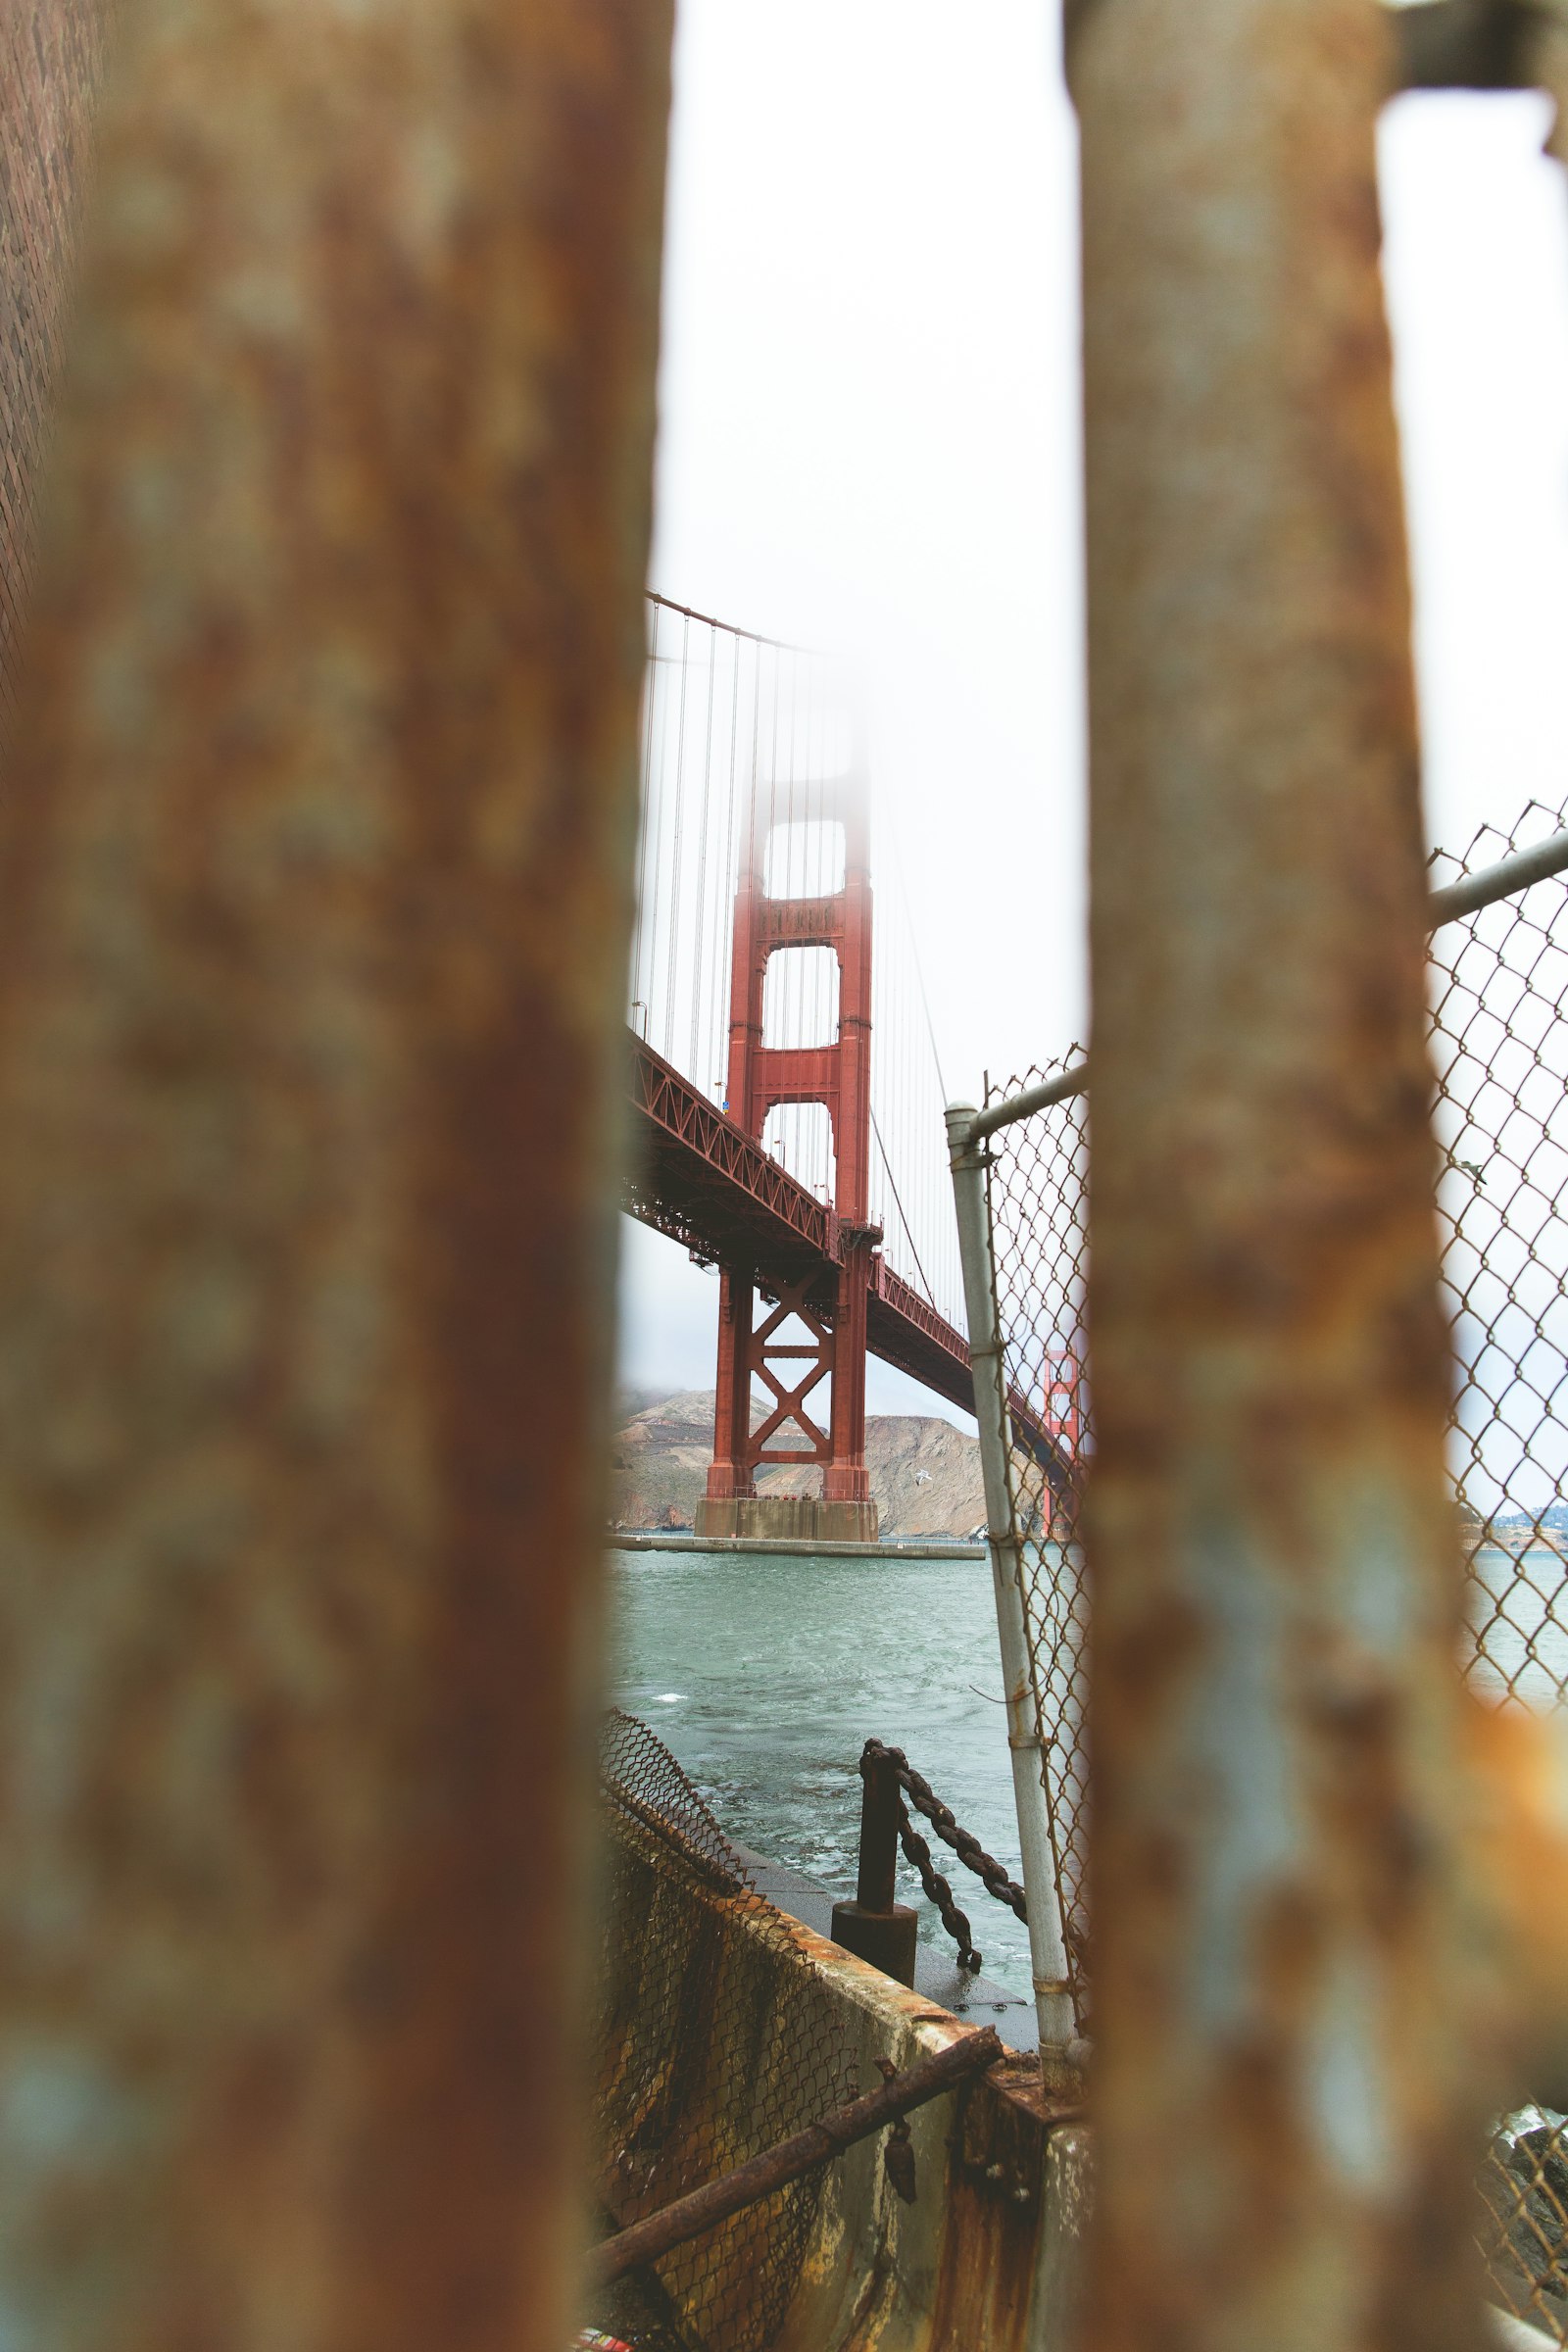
970, 1852
939, 1892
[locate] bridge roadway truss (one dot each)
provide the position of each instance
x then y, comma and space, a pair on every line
700, 1179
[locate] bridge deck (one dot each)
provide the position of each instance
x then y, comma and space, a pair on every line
703, 1181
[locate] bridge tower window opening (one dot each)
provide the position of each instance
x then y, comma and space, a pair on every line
800, 998
800, 1136
805, 858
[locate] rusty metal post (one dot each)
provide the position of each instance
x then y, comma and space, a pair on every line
51, 61
1545, 47
877, 1927
315, 864
1282, 2030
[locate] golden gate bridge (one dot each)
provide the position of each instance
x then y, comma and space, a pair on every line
784, 1076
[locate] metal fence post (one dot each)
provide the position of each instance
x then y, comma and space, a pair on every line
1287, 2098
317, 857
1047, 1952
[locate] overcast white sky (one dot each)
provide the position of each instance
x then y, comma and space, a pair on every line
869, 439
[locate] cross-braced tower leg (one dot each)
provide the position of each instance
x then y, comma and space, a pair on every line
826, 1308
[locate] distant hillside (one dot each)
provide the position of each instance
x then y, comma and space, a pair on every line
925, 1474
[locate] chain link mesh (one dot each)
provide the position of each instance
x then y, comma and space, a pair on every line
1036, 1186
716, 2037
1499, 1049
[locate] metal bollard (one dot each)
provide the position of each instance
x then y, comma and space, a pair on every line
874, 1927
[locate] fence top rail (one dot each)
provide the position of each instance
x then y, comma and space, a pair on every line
1467, 896
1509, 875
981, 1123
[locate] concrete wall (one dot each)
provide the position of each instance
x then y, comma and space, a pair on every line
985, 2258
788, 1518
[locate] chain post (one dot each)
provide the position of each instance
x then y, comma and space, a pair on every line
875, 1927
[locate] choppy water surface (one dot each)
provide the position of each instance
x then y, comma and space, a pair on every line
1518, 1612
766, 1676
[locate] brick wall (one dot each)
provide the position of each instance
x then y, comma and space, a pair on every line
50, 53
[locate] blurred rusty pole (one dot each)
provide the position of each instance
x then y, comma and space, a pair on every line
1546, 51
315, 877
51, 62
1281, 2023
1486, 45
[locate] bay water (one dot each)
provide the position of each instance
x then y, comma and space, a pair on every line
765, 1674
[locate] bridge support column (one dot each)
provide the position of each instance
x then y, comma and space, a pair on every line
837, 1075
729, 1477
849, 1515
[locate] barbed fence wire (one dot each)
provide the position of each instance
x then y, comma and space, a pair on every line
1499, 1053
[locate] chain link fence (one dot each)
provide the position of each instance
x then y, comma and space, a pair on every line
1037, 1184
1499, 1048
714, 2038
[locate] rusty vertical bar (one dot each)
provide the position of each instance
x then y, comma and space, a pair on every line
1280, 2025
51, 61
315, 864
1546, 45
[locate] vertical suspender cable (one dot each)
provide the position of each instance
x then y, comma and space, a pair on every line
677, 864
698, 973
725, 933
650, 724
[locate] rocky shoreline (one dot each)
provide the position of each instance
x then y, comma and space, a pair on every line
925, 1474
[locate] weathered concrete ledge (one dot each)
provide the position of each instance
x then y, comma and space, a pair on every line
938, 1977
987, 2257
807, 1518
914, 1547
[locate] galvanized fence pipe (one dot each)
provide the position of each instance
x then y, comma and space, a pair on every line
981, 1124
1505, 879
1042, 1878
1487, 887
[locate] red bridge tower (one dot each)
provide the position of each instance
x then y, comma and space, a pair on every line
814, 1331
